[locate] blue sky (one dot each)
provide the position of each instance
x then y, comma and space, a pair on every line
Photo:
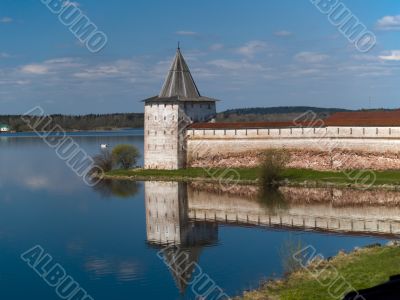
246, 53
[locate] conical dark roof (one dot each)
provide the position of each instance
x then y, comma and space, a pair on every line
179, 84
181, 262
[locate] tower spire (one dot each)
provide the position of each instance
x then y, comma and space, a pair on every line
179, 82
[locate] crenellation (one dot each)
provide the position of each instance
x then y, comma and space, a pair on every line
326, 132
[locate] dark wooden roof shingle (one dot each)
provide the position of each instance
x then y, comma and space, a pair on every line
179, 84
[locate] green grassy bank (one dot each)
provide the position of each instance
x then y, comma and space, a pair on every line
361, 269
250, 176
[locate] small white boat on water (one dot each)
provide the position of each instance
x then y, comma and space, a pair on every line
104, 146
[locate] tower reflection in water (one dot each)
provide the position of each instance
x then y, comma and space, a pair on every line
167, 223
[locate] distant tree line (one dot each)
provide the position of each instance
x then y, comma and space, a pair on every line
84, 122
281, 110
277, 114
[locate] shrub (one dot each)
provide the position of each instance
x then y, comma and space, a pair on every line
103, 161
125, 156
273, 200
273, 164
118, 188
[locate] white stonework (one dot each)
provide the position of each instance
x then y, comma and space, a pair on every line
161, 136
165, 132
203, 143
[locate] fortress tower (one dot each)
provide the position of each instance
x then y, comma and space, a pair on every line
167, 115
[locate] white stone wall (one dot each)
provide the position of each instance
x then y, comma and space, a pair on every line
164, 136
199, 112
161, 136
325, 132
201, 143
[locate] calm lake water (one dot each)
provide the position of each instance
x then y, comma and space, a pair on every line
107, 238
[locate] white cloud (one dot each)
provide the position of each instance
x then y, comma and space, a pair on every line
36, 69
283, 33
251, 48
391, 56
22, 82
203, 73
366, 57
216, 47
4, 55
366, 70
186, 33
389, 23
311, 57
37, 182
51, 65
118, 68
98, 72
6, 20
235, 65
306, 72
63, 63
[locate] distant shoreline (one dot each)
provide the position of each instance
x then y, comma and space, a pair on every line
33, 134
79, 130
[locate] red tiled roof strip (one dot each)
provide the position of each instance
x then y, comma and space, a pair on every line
358, 119
365, 118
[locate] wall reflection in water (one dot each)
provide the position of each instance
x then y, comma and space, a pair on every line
188, 215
